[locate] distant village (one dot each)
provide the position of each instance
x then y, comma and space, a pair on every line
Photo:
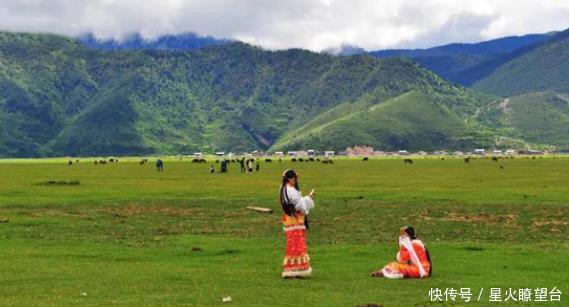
368, 151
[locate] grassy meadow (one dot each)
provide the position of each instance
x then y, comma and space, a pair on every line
128, 235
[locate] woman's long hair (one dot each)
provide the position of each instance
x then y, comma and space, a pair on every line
429, 258
286, 204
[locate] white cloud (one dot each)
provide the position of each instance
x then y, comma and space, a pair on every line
311, 24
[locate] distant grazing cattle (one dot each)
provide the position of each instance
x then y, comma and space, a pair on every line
96, 162
268, 160
142, 162
466, 160
103, 162
280, 160
365, 159
328, 161
311, 159
111, 160
293, 160
159, 165
495, 159
317, 159
300, 160
70, 163
199, 160
223, 168
408, 161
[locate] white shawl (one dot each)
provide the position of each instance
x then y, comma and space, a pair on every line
405, 242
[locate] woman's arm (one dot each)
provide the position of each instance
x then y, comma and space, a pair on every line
403, 256
301, 203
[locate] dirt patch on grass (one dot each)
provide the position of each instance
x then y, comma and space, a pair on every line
425, 216
135, 210
553, 225
508, 219
54, 212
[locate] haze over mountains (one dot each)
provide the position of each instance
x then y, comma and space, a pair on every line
63, 96
184, 41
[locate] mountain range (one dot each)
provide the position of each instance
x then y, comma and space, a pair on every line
68, 96
467, 63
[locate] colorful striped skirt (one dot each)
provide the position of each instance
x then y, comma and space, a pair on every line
296, 261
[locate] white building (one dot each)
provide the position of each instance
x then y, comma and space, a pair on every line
329, 153
479, 152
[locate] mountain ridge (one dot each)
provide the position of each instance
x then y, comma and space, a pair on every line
59, 97
536, 68
467, 63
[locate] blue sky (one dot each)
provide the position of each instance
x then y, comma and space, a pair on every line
308, 24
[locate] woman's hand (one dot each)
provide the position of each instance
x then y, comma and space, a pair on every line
312, 194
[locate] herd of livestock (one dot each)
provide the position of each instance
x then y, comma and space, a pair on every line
248, 164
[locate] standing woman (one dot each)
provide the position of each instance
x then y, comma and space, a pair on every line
295, 210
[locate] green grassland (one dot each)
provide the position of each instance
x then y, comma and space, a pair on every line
129, 235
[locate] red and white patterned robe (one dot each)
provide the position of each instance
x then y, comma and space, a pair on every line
296, 261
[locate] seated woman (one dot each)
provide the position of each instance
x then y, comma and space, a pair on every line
413, 259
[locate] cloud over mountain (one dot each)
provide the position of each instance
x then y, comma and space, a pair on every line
310, 24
